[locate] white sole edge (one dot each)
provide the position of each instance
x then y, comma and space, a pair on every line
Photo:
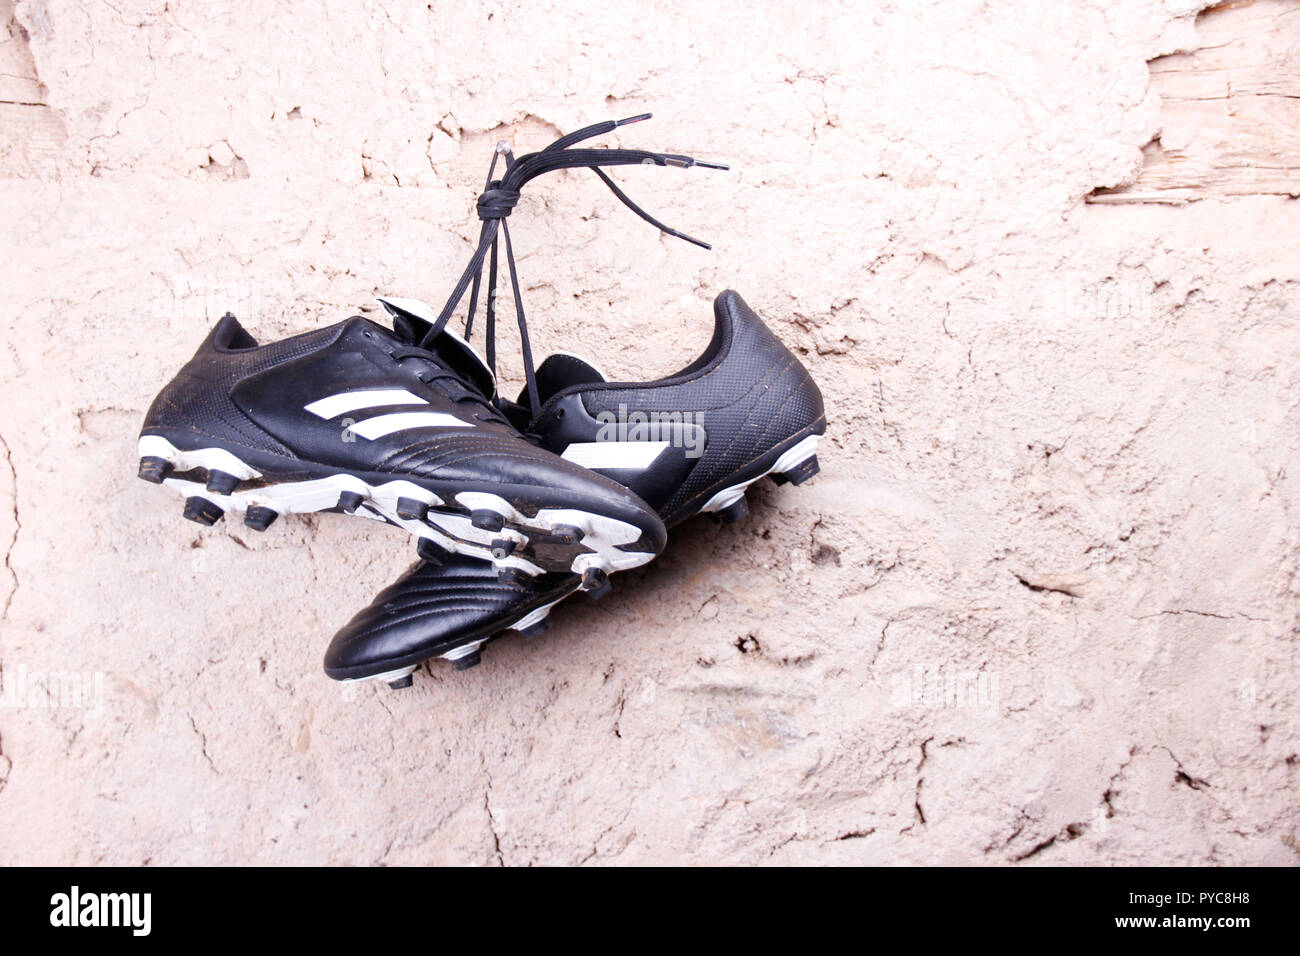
213, 459
453, 532
793, 457
386, 676
465, 650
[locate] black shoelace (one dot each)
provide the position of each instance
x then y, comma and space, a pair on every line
450, 381
500, 197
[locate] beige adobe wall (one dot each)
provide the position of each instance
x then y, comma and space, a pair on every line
1039, 606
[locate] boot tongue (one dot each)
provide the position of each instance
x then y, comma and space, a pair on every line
561, 370
413, 318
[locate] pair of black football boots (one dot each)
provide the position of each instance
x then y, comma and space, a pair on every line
515, 505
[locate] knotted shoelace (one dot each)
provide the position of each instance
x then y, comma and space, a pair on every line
499, 198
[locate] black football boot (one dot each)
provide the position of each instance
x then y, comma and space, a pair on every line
690, 443
391, 424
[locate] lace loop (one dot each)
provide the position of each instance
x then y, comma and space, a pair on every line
498, 200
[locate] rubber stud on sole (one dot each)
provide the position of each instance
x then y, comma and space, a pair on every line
410, 509
154, 470
260, 517
401, 683
535, 630
472, 659
502, 548
486, 520
567, 534
595, 583
513, 576
350, 501
732, 513
221, 483
202, 510
431, 551
799, 473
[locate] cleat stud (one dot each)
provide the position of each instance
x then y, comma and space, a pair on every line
502, 548
800, 472
350, 501
486, 520
535, 630
431, 551
472, 659
409, 509
512, 576
221, 483
595, 583
154, 470
568, 534
732, 513
401, 683
259, 517
202, 510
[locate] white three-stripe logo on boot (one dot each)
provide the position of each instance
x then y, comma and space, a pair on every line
615, 455
380, 425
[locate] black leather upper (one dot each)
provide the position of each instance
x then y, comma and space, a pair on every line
431, 608
253, 399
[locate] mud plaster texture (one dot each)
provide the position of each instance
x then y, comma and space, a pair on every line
1040, 606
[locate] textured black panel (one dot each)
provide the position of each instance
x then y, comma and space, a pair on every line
752, 391
197, 400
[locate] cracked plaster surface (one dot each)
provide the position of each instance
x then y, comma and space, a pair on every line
1040, 606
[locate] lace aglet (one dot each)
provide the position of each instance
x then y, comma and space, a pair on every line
685, 162
691, 239
633, 119
503, 148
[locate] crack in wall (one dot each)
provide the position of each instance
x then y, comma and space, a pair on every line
1071, 831
920, 782
1183, 776
6, 767
492, 823
13, 540
1211, 614
1042, 586
203, 744
1110, 793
